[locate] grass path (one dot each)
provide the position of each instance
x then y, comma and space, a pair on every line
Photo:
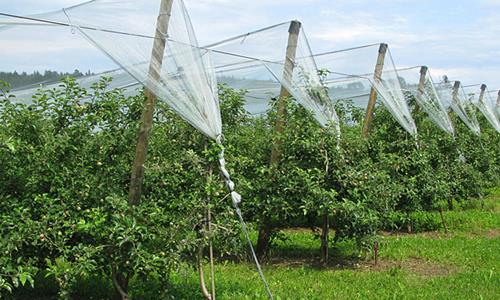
462, 264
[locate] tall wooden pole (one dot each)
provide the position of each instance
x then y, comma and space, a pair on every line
483, 90
421, 86
291, 51
421, 82
373, 93
456, 87
155, 66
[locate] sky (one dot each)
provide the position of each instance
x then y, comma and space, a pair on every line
458, 38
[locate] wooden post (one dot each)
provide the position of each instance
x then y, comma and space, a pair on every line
421, 87
155, 66
291, 51
373, 93
481, 95
498, 99
456, 87
421, 82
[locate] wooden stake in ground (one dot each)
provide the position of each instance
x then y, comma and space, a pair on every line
373, 93
291, 51
155, 66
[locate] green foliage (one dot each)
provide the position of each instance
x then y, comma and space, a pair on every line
65, 164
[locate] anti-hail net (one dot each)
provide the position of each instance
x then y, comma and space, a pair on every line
481, 98
168, 63
349, 74
417, 81
129, 43
453, 96
496, 95
265, 60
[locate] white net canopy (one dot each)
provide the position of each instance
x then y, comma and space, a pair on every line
263, 61
453, 95
182, 78
496, 95
350, 75
480, 97
417, 81
252, 62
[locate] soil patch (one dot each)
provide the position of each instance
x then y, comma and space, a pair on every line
412, 265
417, 266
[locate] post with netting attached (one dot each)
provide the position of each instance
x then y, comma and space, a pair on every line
373, 93
456, 87
421, 82
146, 124
421, 85
291, 52
481, 95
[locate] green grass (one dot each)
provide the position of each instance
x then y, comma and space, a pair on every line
461, 264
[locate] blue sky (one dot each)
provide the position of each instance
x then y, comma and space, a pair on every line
458, 38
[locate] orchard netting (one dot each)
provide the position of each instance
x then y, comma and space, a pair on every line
157, 48
418, 82
493, 95
481, 97
267, 60
349, 74
453, 95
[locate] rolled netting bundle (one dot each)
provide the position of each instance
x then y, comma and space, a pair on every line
168, 63
418, 82
453, 96
480, 97
349, 75
267, 60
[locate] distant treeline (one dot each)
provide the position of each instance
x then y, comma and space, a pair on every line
17, 80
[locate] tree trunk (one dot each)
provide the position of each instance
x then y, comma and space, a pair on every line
263, 242
450, 204
324, 239
443, 220
203, 287
120, 283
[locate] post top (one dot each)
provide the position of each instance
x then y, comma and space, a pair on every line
456, 85
423, 70
383, 48
483, 87
498, 92
295, 26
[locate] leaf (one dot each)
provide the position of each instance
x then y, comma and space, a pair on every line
23, 277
